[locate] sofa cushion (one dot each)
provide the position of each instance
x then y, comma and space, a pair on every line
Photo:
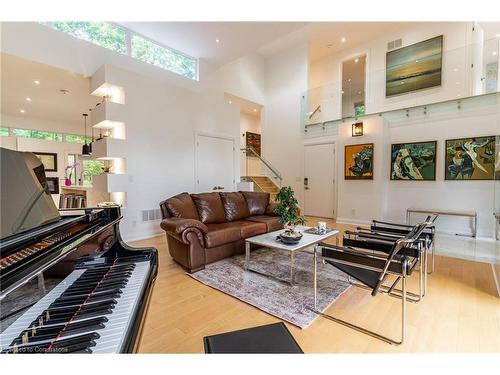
250, 229
235, 206
210, 208
257, 201
182, 206
220, 234
272, 222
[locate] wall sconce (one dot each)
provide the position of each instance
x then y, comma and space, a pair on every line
357, 129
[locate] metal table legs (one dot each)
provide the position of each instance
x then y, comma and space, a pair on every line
290, 281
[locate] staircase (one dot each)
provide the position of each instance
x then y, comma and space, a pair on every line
263, 183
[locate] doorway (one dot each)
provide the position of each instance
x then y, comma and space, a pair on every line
214, 163
353, 86
319, 180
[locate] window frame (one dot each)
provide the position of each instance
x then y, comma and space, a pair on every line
128, 47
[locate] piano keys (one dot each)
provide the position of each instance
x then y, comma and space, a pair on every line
99, 307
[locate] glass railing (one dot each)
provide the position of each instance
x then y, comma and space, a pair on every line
467, 72
255, 168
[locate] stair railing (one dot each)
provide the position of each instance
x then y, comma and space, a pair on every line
275, 175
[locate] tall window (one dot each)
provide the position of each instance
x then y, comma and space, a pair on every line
152, 53
123, 40
103, 34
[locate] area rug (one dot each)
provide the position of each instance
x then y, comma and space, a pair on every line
290, 303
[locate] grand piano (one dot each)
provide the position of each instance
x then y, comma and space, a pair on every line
100, 287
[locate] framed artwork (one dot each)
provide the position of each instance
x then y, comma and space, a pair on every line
470, 158
53, 185
358, 162
414, 67
253, 140
414, 161
49, 160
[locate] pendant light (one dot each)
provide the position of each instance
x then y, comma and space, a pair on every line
91, 136
85, 147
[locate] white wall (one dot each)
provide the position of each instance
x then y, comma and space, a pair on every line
286, 79
456, 78
27, 122
163, 112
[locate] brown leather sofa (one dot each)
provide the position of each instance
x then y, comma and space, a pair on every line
207, 227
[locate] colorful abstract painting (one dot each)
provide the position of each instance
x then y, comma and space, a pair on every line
253, 140
470, 158
358, 162
413, 161
414, 67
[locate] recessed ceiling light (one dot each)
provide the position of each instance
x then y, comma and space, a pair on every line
494, 53
230, 102
22, 110
28, 99
36, 82
217, 40
255, 109
498, 35
356, 60
343, 40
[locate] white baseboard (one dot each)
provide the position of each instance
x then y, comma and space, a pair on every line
341, 220
143, 236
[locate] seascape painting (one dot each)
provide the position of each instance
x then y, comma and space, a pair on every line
414, 67
358, 162
414, 161
470, 158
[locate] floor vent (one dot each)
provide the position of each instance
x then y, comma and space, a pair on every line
151, 215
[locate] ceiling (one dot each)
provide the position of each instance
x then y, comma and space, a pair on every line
47, 101
246, 106
236, 39
198, 39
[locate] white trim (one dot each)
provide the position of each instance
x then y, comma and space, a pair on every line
198, 133
141, 237
342, 220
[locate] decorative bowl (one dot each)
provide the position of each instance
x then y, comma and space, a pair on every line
289, 237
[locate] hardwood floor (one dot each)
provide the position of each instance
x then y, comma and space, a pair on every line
460, 313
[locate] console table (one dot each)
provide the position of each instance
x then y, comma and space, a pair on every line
470, 214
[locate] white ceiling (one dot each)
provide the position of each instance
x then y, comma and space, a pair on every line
237, 39
47, 101
246, 106
197, 39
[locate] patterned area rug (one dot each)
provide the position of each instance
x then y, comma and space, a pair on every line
289, 303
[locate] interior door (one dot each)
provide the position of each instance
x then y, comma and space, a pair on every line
214, 163
319, 180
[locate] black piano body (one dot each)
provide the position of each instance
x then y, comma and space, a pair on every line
84, 243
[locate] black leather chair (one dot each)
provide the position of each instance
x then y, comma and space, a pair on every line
372, 268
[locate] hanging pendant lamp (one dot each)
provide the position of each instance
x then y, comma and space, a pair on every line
85, 148
91, 137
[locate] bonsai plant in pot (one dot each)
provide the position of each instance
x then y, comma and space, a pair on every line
289, 213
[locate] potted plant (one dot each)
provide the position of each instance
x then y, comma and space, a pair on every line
289, 213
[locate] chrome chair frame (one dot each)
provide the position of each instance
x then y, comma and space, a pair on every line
392, 290
388, 259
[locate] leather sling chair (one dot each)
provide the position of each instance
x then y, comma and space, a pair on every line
375, 243
384, 227
371, 269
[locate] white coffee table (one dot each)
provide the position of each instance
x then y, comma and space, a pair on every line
269, 241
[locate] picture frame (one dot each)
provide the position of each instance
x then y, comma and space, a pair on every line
53, 185
358, 161
414, 67
413, 161
48, 159
253, 140
470, 159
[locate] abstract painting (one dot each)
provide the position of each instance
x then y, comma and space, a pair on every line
413, 161
414, 67
470, 159
253, 140
358, 162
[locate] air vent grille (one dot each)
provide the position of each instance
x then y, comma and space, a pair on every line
151, 215
395, 44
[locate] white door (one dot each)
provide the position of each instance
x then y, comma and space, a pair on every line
214, 163
319, 180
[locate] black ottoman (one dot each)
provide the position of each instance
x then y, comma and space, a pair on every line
271, 338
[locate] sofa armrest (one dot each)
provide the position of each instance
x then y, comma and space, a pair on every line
177, 226
271, 209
